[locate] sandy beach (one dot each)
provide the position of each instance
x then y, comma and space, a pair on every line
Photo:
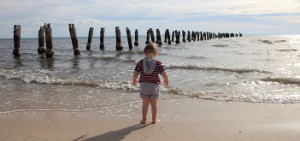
195, 120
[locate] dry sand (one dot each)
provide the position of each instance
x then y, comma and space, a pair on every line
196, 120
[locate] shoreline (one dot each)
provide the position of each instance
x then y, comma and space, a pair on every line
189, 119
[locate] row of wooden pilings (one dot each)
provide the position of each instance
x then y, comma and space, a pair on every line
45, 33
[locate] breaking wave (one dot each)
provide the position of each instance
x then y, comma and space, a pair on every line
220, 45
285, 81
271, 42
254, 98
40, 78
211, 68
195, 57
288, 50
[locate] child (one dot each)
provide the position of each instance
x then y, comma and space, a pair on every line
149, 68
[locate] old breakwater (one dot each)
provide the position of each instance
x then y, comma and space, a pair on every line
177, 36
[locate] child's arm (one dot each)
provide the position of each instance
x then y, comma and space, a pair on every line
134, 79
166, 79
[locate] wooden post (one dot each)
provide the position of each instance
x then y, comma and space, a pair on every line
102, 38
118, 39
177, 33
152, 35
173, 36
49, 45
241, 35
201, 36
17, 40
198, 38
148, 40
231, 34
168, 36
183, 36
41, 49
194, 36
204, 36
136, 37
129, 38
74, 39
158, 37
189, 36
90, 37
207, 34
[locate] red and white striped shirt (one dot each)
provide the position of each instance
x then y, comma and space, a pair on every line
150, 78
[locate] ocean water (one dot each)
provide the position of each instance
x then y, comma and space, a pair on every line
253, 68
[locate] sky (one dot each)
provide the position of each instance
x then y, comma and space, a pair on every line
281, 17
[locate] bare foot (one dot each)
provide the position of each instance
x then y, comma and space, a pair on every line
143, 122
156, 121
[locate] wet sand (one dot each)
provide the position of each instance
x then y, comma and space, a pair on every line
195, 120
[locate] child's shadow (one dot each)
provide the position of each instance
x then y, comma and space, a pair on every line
113, 135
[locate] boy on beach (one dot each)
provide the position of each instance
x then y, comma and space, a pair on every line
149, 68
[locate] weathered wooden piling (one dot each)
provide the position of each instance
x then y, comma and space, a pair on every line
201, 36
102, 38
168, 37
136, 37
148, 38
17, 40
74, 39
173, 36
183, 36
189, 36
193, 36
49, 45
177, 34
198, 36
204, 36
128, 33
152, 35
231, 34
90, 37
220, 35
41, 35
227, 35
118, 38
207, 35
158, 37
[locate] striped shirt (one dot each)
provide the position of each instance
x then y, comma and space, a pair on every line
150, 78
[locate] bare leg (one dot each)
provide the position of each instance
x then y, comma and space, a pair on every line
153, 103
145, 110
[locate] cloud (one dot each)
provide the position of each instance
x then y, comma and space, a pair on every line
143, 14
